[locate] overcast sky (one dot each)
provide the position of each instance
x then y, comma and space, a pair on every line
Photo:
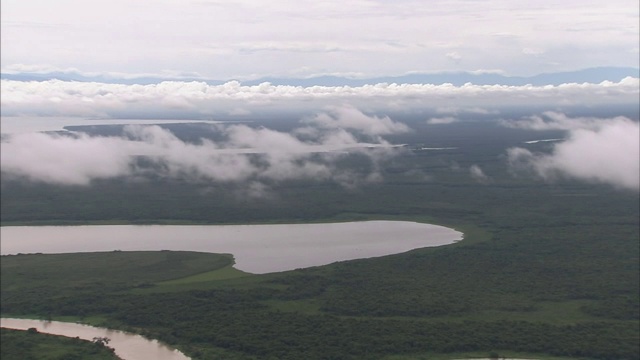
248, 39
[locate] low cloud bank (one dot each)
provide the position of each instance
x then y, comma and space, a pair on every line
442, 120
596, 150
200, 100
478, 175
350, 118
550, 120
246, 154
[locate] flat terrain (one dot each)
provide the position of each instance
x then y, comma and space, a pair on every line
546, 268
25, 345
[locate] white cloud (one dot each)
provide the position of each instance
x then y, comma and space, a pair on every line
245, 155
465, 110
441, 120
551, 120
174, 99
350, 118
194, 37
239, 112
36, 69
454, 56
255, 189
64, 159
600, 151
533, 51
478, 175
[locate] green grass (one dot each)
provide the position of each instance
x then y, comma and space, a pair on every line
205, 280
54, 276
227, 272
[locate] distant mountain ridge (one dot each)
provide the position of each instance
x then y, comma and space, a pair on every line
590, 75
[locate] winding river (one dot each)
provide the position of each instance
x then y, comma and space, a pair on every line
128, 346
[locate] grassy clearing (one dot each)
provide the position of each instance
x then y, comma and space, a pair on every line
227, 272
58, 275
202, 281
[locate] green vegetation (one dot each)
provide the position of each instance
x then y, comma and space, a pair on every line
544, 269
65, 276
412, 303
31, 345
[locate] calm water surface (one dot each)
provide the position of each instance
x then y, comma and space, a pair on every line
127, 346
256, 248
29, 124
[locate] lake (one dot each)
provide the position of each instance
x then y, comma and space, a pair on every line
257, 249
28, 124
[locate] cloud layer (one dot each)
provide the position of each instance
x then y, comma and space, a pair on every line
244, 154
597, 150
551, 120
217, 39
199, 100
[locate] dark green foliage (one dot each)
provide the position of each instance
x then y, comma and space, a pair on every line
544, 268
31, 345
236, 319
33, 278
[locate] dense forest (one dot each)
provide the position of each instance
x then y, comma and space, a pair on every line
32, 345
546, 268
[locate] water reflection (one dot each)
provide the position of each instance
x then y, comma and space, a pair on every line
257, 248
127, 346
29, 124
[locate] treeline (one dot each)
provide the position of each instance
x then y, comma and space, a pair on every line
203, 323
31, 345
464, 297
556, 272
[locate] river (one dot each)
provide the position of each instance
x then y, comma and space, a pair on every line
126, 345
256, 248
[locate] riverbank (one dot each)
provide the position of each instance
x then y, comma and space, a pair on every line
30, 344
257, 249
297, 306
127, 346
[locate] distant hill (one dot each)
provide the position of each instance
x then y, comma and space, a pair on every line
591, 75
70, 76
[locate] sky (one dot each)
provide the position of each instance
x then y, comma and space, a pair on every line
246, 39
243, 39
